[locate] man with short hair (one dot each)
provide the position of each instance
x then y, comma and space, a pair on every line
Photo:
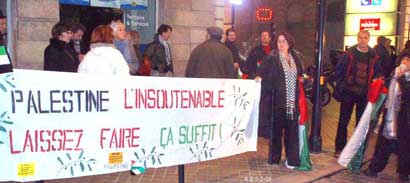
77, 39
159, 52
255, 57
253, 62
125, 46
211, 59
230, 42
355, 71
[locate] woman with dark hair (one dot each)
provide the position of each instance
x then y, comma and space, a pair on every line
59, 54
279, 73
103, 58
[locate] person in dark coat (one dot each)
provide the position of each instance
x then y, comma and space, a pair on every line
59, 54
230, 42
253, 62
211, 59
77, 40
386, 143
257, 54
383, 53
159, 52
403, 126
279, 73
355, 70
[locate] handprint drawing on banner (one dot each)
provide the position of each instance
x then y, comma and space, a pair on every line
240, 98
154, 156
238, 133
241, 103
200, 151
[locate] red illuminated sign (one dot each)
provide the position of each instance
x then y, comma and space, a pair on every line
370, 24
264, 14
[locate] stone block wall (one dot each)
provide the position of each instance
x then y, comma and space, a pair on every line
34, 20
189, 19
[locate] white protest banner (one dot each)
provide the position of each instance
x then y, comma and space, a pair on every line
61, 125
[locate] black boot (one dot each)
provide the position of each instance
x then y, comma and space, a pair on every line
403, 178
370, 173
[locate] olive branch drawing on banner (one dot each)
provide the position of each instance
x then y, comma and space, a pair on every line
7, 81
4, 119
144, 158
201, 152
81, 162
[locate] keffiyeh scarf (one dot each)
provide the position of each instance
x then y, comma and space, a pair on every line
290, 70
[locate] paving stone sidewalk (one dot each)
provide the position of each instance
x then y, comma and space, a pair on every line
246, 167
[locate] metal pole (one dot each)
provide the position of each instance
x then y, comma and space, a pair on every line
10, 27
408, 30
315, 139
181, 174
270, 154
233, 15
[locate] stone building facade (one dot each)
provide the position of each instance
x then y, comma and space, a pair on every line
189, 18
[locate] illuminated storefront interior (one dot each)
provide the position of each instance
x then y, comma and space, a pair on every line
379, 17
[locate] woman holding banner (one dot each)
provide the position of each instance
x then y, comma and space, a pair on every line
279, 73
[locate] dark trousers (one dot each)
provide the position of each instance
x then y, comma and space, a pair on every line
265, 114
291, 138
403, 139
384, 147
346, 109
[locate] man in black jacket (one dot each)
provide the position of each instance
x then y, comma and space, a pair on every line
159, 52
253, 62
255, 57
77, 40
384, 55
230, 42
211, 59
355, 71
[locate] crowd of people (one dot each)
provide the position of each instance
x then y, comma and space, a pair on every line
274, 62
355, 71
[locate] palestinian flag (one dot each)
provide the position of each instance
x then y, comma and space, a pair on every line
353, 153
4, 59
5, 62
305, 163
241, 75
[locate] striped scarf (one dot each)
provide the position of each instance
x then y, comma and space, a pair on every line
290, 70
